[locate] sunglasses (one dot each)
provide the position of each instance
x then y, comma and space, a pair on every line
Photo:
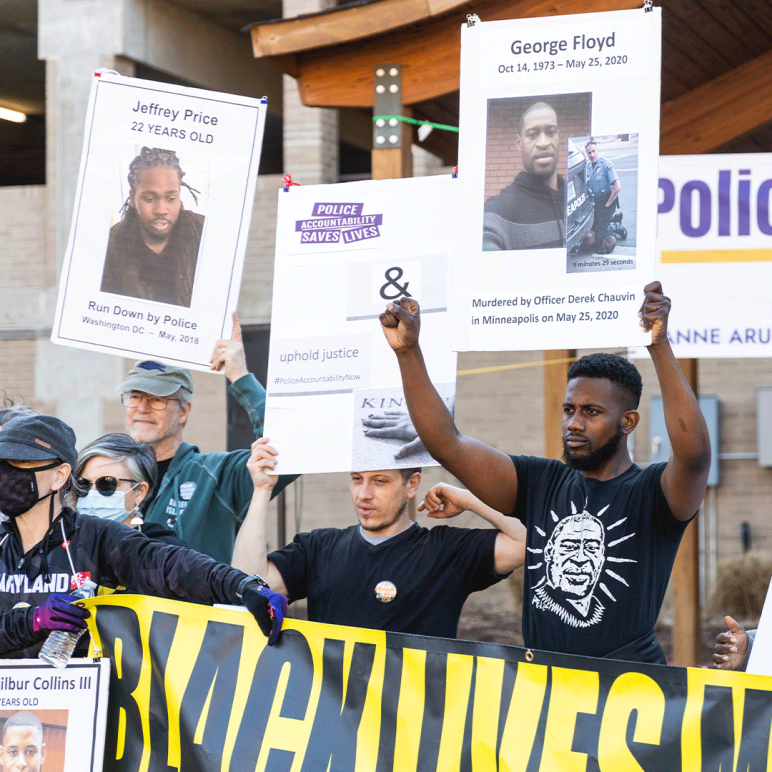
104, 485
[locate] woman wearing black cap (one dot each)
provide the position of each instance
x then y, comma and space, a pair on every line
47, 549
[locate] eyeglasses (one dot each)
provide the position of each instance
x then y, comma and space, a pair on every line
134, 399
104, 485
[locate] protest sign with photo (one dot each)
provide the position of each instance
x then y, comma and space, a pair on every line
154, 259
558, 181
53, 719
198, 688
715, 241
335, 401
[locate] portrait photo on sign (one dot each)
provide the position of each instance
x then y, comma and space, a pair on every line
157, 225
384, 436
601, 203
526, 169
33, 741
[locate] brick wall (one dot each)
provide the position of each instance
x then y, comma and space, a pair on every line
22, 236
502, 156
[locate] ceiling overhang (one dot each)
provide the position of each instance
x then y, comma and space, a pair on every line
716, 59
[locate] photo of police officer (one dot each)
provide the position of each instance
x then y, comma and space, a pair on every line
602, 202
526, 168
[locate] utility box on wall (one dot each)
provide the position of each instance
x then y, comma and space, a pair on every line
764, 424
659, 442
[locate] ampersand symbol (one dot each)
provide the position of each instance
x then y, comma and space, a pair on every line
392, 281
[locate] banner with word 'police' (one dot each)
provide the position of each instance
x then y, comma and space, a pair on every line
195, 688
343, 252
715, 243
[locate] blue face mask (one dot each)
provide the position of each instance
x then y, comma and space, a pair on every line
108, 507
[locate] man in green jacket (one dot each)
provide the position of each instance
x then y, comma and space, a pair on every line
202, 497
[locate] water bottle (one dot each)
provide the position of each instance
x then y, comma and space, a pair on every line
60, 644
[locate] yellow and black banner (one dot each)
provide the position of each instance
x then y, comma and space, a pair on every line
195, 688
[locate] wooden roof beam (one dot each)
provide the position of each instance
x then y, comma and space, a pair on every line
341, 74
711, 115
344, 25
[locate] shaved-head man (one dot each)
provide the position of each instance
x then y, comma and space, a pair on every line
530, 212
23, 749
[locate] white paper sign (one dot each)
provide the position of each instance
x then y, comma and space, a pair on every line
715, 240
557, 156
760, 661
69, 714
335, 401
156, 248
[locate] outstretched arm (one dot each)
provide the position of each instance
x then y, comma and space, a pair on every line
445, 501
686, 474
487, 472
249, 552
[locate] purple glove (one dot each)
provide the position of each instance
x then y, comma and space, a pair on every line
58, 613
267, 607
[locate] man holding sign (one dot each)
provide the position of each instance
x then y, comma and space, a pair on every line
202, 497
602, 532
387, 572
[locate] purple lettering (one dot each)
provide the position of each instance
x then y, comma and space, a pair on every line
703, 197
762, 207
744, 205
668, 198
724, 212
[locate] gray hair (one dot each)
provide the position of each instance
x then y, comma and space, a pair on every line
15, 411
138, 457
184, 396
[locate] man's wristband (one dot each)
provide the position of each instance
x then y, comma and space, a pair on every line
247, 580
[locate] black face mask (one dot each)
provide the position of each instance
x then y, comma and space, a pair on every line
19, 488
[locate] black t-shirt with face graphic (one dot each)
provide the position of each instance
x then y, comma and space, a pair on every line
415, 582
599, 555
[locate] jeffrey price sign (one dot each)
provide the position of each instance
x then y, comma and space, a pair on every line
161, 218
558, 158
335, 400
715, 238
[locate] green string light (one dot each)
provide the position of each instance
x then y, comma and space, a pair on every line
405, 119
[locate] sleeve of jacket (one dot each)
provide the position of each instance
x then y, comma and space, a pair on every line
16, 633
150, 567
250, 394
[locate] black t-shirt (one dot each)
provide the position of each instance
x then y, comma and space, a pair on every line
163, 467
599, 555
432, 571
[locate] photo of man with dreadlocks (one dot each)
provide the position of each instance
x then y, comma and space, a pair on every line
153, 249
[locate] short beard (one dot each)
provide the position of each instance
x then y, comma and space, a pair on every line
594, 460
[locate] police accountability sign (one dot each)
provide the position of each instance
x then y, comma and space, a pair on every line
558, 166
159, 229
197, 688
715, 240
335, 400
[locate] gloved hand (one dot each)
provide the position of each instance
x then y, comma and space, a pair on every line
58, 613
267, 607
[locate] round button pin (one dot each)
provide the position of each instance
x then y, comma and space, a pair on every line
385, 592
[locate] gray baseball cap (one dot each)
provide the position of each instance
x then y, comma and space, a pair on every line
38, 438
157, 379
